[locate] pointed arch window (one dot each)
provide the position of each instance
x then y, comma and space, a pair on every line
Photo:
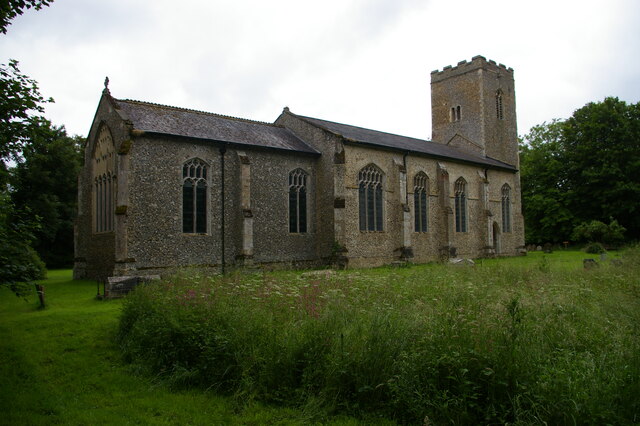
506, 208
298, 201
370, 198
194, 197
499, 109
460, 191
421, 202
104, 181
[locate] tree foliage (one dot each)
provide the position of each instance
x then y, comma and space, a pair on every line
583, 169
19, 262
599, 232
9, 9
45, 181
20, 106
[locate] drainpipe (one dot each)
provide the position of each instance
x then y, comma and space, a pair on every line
223, 149
406, 182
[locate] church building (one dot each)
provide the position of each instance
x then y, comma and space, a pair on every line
164, 188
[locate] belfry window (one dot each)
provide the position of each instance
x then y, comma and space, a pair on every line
298, 201
104, 181
370, 198
461, 205
455, 113
194, 197
499, 110
506, 208
421, 202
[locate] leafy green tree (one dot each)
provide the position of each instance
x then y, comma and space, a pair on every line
582, 169
602, 160
9, 9
548, 217
19, 262
45, 182
20, 105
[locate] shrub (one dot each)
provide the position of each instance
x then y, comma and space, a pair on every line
599, 232
594, 248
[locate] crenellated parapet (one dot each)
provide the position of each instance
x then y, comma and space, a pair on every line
477, 62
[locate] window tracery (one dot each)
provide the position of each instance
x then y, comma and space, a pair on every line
506, 208
370, 198
298, 201
194, 197
460, 190
421, 202
104, 181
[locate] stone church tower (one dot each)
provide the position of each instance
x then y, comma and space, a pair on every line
474, 108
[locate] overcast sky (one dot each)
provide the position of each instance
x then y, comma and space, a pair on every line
359, 62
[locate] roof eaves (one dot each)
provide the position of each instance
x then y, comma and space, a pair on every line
311, 151
488, 165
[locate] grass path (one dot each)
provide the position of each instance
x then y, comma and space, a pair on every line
60, 366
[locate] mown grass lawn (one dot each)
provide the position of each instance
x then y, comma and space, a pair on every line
61, 365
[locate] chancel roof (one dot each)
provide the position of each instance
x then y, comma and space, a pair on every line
167, 120
374, 138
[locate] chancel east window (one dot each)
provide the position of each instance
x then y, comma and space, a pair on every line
298, 201
421, 202
194, 197
370, 198
460, 191
104, 181
506, 208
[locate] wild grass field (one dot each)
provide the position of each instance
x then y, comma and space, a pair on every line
523, 340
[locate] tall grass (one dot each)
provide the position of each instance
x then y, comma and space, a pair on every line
502, 342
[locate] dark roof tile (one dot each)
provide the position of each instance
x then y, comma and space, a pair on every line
174, 121
354, 134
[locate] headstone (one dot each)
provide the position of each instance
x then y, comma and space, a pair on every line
462, 262
589, 263
117, 287
323, 273
539, 248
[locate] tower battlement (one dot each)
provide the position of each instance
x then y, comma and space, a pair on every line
477, 62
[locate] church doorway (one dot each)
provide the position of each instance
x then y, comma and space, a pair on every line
496, 238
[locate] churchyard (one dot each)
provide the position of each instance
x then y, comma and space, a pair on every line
521, 340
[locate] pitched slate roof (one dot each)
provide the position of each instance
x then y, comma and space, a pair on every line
359, 135
167, 120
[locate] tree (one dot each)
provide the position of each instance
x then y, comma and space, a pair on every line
582, 169
9, 9
547, 215
602, 145
19, 263
45, 182
20, 104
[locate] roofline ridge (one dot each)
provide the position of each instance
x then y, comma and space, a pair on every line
360, 127
246, 120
